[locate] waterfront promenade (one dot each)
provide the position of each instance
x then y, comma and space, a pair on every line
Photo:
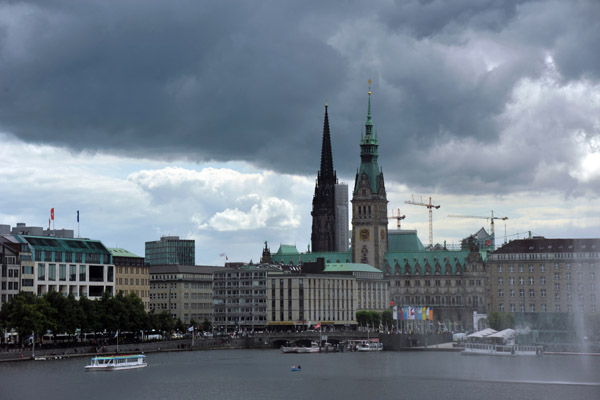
257, 341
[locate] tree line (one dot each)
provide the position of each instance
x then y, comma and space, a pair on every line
27, 313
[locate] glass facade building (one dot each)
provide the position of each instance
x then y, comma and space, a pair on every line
171, 250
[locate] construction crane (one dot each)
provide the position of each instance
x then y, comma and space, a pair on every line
397, 217
430, 206
492, 218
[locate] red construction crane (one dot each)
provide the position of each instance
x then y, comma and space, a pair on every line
397, 217
430, 206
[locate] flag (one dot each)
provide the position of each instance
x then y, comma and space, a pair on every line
191, 328
117, 334
222, 255
489, 242
412, 313
318, 326
424, 314
431, 314
52, 214
77, 215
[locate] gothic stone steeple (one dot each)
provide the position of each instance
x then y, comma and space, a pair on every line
369, 202
323, 212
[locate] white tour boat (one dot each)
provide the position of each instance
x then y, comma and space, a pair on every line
369, 345
114, 363
314, 348
501, 350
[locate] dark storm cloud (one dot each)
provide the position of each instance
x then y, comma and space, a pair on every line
434, 17
228, 80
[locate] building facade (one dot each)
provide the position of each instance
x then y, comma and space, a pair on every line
82, 267
10, 282
132, 275
342, 227
185, 291
545, 275
303, 300
240, 299
451, 283
171, 250
369, 203
323, 236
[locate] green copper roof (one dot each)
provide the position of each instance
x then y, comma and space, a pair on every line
287, 249
118, 252
349, 267
406, 240
368, 155
47, 243
420, 260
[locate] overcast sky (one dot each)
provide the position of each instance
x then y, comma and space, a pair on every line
203, 119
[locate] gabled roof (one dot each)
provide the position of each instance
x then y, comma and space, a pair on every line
418, 260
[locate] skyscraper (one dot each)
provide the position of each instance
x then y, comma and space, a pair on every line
369, 202
323, 237
171, 250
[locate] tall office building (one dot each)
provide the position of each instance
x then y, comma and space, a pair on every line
369, 203
341, 217
171, 250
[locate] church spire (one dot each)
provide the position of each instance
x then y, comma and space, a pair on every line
326, 173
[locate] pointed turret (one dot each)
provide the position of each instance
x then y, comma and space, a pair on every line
369, 202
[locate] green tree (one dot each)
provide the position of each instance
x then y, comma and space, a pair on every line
90, 321
501, 320
374, 319
362, 318
28, 314
179, 327
206, 325
387, 318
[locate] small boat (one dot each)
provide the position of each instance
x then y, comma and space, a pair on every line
490, 349
296, 368
314, 348
115, 363
370, 346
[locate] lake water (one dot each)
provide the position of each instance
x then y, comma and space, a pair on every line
265, 375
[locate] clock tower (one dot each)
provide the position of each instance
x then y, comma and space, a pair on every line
369, 202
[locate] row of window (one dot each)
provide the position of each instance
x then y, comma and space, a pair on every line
544, 308
132, 281
436, 282
531, 279
542, 267
59, 256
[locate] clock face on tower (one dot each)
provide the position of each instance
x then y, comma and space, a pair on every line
364, 234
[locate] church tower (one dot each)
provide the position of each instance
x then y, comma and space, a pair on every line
323, 211
369, 202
